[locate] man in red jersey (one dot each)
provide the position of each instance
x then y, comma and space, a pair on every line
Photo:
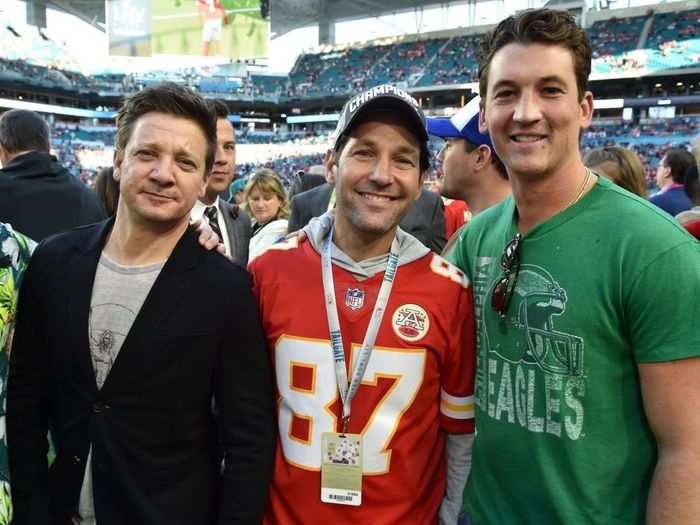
213, 17
373, 341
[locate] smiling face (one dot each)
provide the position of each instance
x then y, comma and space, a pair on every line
225, 160
161, 171
377, 178
532, 109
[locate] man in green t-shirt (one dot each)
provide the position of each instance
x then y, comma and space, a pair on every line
586, 301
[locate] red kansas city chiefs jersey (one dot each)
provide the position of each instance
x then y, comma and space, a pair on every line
418, 383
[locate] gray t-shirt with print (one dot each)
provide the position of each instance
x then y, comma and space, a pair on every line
117, 296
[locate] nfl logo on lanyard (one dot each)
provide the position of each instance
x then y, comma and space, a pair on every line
354, 298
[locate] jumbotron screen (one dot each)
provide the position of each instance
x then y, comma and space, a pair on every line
225, 28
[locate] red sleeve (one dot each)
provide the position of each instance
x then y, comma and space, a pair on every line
693, 228
458, 370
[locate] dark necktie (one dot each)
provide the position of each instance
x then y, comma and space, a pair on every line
210, 213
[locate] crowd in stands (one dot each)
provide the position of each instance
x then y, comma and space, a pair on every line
679, 126
455, 63
673, 41
84, 149
196, 367
616, 35
618, 45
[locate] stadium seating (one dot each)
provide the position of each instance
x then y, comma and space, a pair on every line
335, 72
405, 62
616, 35
678, 27
263, 84
457, 62
31, 57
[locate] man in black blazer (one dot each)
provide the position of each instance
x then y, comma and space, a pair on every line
38, 196
228, 221
305, 181
127, 332
425, 219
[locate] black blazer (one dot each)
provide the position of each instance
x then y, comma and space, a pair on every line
154, 440
238, 229
39, 197
425, 219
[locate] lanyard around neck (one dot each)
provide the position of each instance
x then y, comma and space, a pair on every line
347, 392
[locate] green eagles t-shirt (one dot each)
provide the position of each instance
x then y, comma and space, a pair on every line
606, 284
15, 251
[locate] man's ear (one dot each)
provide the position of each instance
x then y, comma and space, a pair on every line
117, 164
483, 125
483, 157
4, 156
586, 109
421, 178
331, 166
330, 173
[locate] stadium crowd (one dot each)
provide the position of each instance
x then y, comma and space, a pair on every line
201, 329
618, 45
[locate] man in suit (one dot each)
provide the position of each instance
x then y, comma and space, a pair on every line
127, 332
228, 221
302, 181
425, 219
38, 196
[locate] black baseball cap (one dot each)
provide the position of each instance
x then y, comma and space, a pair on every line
383, 97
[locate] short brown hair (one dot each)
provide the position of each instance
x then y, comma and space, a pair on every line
171, 99
268, 182
679, 161
538, 26
623, 167
495, 159
218, 107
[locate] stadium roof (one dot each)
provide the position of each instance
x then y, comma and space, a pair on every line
286, 15
92, 11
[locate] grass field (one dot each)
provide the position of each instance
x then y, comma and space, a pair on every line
177, 30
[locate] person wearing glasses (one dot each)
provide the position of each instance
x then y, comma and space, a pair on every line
586, 301
372, 341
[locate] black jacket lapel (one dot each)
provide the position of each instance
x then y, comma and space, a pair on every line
165, 296
80, 277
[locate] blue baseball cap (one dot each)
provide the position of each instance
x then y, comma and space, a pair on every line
462, 125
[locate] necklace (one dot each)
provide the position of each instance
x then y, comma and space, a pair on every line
581, 190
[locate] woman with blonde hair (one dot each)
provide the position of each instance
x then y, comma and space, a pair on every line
265, 200
620, 165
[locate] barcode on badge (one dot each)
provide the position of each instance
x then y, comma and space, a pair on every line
341, 497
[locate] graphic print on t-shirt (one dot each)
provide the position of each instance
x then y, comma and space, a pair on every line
109, 325
531, 373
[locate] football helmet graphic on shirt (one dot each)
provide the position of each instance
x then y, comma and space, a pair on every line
538, 299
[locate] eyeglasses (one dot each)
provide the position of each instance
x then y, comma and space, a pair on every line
510, 268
